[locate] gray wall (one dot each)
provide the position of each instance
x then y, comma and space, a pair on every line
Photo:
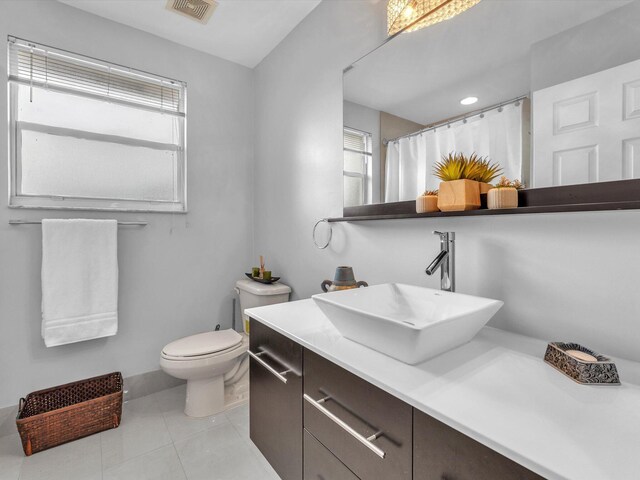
176, 274
606, 42
562, 276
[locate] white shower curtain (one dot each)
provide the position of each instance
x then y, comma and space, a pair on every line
410, 160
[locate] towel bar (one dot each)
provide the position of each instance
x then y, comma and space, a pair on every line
38, 222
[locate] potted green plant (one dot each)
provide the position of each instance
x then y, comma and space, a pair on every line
462, 178
483, 171
504, 194
427, 202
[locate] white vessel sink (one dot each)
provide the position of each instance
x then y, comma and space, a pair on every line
409, 323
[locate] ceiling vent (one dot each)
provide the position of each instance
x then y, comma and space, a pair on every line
198, 10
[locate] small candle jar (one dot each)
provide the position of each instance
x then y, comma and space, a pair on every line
266, 275
582, 356
255, 272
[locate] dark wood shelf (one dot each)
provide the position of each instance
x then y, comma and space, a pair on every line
593, 197
581, 207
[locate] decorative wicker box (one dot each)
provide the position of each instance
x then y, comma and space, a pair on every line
581, 364
58, 415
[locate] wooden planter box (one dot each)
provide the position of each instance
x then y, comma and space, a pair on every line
502, 198
485, 187
58, 415
459, 195
427, 204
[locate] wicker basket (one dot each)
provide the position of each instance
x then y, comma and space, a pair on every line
58, 415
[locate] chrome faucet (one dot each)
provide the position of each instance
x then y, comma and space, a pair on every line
446, 261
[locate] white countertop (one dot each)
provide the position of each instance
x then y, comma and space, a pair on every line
497, 390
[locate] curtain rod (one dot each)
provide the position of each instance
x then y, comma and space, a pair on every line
457, 119
39, 222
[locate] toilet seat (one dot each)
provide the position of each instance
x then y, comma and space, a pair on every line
214, 361
203, 345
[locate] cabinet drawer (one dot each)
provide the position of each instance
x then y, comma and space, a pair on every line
321, 464
275, 400
369, 430
279, 351
443, 453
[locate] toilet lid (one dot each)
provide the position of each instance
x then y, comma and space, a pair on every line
203, 344
260, 289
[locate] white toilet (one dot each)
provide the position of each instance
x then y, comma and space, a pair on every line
212, 360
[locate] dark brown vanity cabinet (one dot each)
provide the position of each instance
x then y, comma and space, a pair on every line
369, 430
442, 453
321, 464
314, 420
276, 400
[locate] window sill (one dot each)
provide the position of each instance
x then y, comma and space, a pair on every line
41, 203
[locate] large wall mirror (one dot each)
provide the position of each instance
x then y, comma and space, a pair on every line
549, 89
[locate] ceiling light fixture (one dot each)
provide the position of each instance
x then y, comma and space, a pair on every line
469, 100
408, 12
416, 14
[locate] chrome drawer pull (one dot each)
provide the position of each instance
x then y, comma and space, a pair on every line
361, 438
278, 375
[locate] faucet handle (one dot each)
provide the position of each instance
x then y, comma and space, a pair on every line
445, 235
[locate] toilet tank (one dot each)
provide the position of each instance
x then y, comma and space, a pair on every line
254, 294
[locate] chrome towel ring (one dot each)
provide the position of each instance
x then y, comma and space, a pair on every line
315, 227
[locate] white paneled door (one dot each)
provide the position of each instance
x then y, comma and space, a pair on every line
588, 130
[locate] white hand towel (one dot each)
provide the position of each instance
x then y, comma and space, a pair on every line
79, 280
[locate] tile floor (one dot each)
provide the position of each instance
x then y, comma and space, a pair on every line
155, 441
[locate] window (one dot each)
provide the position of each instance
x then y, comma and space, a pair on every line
357, 167
88, 134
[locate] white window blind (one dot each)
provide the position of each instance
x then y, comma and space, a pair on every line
87, 134
41, 66
355, 140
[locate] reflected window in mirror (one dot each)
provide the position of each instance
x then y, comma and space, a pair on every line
357, 167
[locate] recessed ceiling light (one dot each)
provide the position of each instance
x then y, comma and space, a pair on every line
469, 100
